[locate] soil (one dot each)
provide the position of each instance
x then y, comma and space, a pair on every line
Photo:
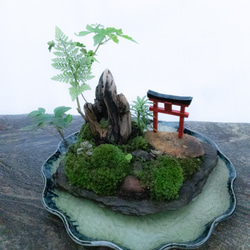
169, 143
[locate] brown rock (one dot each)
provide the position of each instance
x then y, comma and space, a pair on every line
168, 142
131, 185
110, 107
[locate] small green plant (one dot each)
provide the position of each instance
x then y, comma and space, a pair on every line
75, 61
104, 123
59, 120
85, 149
190, 166
141, 113
136, 143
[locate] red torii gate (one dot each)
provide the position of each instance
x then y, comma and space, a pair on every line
169, 100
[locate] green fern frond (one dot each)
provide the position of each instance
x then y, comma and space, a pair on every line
60, 66
59, 35
76, 90
58, 53
59, 48
59, 60
64, 77
70, 47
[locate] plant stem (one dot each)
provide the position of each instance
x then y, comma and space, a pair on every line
83, 97
60, 133
99, 44
81, 113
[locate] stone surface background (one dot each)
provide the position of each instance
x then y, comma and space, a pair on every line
26, 225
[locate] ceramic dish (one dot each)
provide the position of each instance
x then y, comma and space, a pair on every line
186, 228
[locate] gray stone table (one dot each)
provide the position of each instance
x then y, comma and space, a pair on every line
26, 225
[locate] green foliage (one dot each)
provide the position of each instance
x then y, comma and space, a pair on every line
102, 35
141, 113
108, 155
59, 119
85, 133
106, 180
164, 178
166, 182
128, 157
77, 169
102, 172
85, 149
75, 61
190, 166
104, 123
136, 143
102, 168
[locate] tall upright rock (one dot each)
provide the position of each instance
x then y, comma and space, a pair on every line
109, 117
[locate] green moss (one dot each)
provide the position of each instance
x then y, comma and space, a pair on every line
86, 133
190, 166
106, 167
102, 172
107, 180
135, 143
77, 170
108, 155
163, 177
167, 179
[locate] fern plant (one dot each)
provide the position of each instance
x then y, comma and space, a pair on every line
75, 61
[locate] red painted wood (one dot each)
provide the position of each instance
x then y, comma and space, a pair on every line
168, 110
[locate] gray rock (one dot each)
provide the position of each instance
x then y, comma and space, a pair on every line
143, 155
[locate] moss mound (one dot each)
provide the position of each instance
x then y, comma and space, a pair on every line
162, 177
101, 172
102, 168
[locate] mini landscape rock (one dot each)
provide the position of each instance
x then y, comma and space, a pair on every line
170, 144
109, 120
137, 204
110, 108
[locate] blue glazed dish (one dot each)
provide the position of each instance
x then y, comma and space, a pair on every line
50, 194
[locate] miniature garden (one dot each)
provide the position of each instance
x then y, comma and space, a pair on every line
115, 152
120, 160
